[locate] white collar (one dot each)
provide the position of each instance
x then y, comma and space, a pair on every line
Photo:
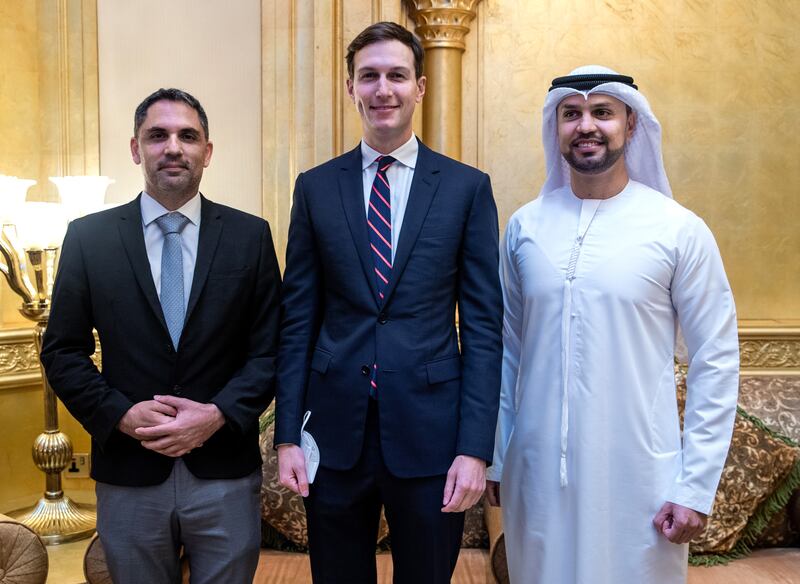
152, 209
405, 154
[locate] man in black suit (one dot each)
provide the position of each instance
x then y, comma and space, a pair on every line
184, 295
384, 243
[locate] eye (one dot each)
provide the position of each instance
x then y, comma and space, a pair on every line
368, 75
569, 114
603, 113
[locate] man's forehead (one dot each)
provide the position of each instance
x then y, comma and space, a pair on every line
578, 100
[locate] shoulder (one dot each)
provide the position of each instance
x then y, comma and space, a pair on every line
428, 158
101, 222
242, 219
324, 171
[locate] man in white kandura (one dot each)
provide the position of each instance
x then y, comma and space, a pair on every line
600, 272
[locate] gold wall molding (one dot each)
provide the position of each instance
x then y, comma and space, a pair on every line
19, 361
769, 350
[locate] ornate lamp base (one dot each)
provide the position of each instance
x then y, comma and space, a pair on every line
58, 520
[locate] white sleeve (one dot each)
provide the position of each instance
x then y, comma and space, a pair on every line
512, 334
704, 305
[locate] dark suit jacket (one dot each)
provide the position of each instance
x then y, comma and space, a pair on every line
435, 401
226, 354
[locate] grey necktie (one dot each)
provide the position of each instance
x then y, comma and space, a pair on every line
172, 298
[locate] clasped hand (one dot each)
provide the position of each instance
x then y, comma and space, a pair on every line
171, 425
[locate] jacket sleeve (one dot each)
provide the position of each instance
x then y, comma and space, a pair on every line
301, 309
69, 344
480, 309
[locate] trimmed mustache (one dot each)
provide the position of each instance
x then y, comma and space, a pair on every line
173, 164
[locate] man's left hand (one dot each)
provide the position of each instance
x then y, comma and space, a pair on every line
466, 481
194, 423
679, 524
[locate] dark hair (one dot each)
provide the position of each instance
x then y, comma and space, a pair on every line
386, 31
170, 94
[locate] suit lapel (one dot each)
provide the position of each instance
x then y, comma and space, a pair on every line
210, 231
132, 234
423, 187
351, 189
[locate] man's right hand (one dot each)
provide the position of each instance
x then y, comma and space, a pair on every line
493, 493
144, 415
292, 468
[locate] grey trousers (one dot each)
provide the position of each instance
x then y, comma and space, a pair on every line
217, 522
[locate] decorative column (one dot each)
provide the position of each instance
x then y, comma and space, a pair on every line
442, 26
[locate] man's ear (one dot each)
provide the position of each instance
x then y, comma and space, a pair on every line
135, 151
421, 83
349, 84
630, 124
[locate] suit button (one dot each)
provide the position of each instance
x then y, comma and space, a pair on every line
176, 390
364, 370
170, 350
382, 318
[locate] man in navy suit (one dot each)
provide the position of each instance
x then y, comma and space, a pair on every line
184, 295
384, 243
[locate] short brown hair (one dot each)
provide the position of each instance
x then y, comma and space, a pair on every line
386, 31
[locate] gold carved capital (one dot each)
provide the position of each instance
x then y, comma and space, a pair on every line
443, 23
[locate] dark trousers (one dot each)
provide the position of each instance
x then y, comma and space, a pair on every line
343, 510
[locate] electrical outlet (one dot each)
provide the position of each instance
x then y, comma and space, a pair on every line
79, 467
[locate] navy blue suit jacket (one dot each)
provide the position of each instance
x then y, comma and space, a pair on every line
226, 355
436, 399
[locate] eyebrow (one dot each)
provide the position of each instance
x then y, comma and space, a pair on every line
399, 68
152, 129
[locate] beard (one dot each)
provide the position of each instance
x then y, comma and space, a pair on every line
593, 165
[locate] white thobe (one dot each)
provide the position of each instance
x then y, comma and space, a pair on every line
589, 445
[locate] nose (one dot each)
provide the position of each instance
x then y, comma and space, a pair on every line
586, 123
384, 88
173, 145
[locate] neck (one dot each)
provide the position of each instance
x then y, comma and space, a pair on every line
387, 145
600, 186
172, 201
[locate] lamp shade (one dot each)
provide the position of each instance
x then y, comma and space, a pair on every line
12, 196
41, 225
81, 195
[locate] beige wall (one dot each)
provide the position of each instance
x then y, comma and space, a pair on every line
210, 49
721, 77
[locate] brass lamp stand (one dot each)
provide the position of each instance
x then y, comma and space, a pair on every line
56, 518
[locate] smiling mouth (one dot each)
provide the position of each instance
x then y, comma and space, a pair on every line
384, 108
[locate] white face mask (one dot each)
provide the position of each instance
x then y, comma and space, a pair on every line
310, 450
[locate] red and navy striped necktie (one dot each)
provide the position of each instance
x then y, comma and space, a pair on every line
379, 223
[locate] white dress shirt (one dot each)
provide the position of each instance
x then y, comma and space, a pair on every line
154, 239
399, 175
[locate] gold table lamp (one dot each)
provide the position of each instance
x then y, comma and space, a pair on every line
56, 518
